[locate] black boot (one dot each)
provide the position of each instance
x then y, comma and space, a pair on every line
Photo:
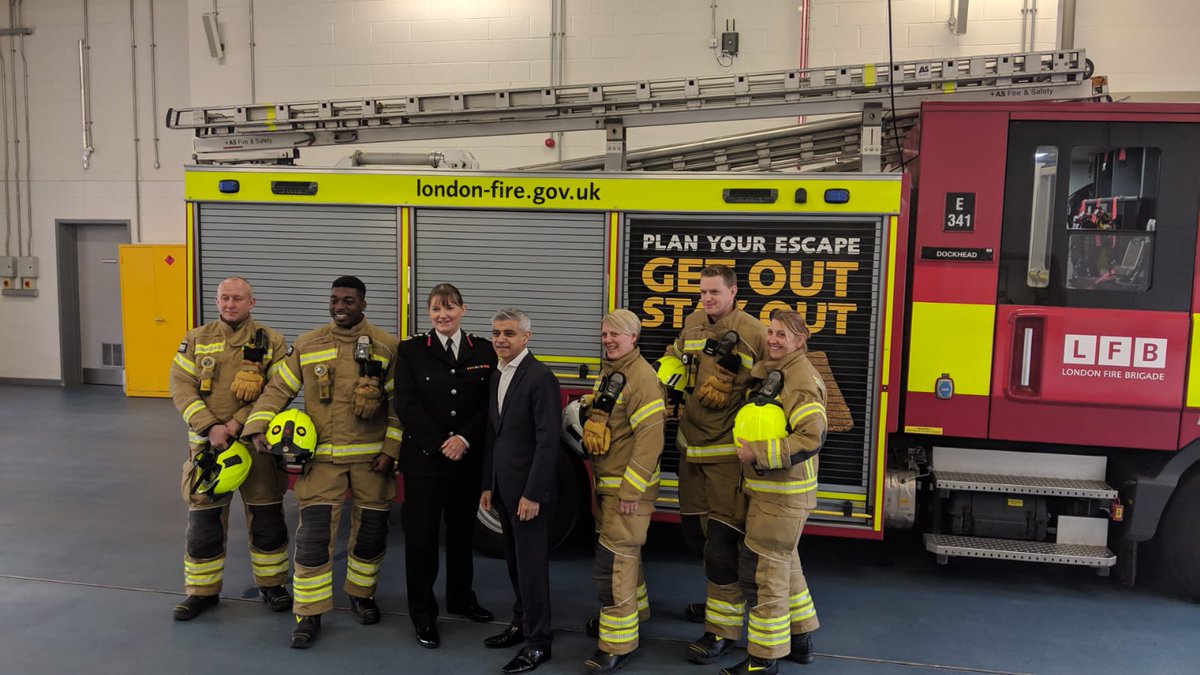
754, 665
802, 648
276, 597
709, 648
694, 612
603, 662
592, 627
194, 605
305, 633
365, 609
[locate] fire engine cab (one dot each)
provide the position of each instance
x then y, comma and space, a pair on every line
1005, 324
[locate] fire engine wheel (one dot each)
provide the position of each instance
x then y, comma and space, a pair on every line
1180, 537
489, 539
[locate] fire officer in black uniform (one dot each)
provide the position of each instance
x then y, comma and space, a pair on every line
441, 396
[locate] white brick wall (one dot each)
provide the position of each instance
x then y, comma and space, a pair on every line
308, 49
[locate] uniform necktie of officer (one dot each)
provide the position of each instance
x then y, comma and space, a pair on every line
450, 347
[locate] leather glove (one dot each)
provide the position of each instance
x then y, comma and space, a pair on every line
247, 382
586, 401
596, 436
367, 398
715, 391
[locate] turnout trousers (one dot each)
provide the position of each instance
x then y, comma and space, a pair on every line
773, 580
321, 490
618, 573
208, 529
713, 493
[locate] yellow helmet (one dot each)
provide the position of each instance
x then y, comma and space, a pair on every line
292, 436
220, 472
759, 421
672, 373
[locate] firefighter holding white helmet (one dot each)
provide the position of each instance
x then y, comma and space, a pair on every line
346, 370
216, 376
623, 435
779, 432
717, 346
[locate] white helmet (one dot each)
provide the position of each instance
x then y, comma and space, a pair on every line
572, 427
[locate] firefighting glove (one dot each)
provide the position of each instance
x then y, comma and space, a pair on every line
247, 382
715, 391
596, 436
367, 397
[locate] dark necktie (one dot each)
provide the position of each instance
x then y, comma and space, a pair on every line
450, 347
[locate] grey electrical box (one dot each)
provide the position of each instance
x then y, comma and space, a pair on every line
729, 43
8, 266
27, 267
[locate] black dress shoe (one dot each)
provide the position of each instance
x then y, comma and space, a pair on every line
428, 636
755, 665
365, 609
710, 647
525, 661
802, 648
473, 612
510, 637
694, 612
194, 605
305, 633
592, 628
603, 662
276, 597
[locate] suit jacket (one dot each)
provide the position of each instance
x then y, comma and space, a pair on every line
522, 442
436, 396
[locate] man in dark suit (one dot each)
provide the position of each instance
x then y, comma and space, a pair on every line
441, 397
524, 412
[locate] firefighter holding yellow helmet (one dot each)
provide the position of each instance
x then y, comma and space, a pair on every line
346, 370
779, 432
216, 377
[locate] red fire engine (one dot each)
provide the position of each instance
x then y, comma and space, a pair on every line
1005, 324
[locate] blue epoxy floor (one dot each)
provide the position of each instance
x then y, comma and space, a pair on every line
91, 541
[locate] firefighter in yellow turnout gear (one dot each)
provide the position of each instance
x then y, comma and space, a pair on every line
779, 432
215, 379
346, 369
718, 345
623, 435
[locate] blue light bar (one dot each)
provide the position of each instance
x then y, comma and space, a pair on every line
837, 196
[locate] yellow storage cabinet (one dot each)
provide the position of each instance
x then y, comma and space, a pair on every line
153, 314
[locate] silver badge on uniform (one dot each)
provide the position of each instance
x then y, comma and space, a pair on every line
183, 346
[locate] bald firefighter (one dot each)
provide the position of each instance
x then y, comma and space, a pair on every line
623, 435
215, 378
779, 433
718, 345
346, 370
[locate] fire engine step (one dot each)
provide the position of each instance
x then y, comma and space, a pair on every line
1026, 485
945, 545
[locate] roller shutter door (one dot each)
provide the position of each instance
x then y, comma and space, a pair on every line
292, 253
551, 265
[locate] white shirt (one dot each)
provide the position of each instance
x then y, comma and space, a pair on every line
507, 370
457, 340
